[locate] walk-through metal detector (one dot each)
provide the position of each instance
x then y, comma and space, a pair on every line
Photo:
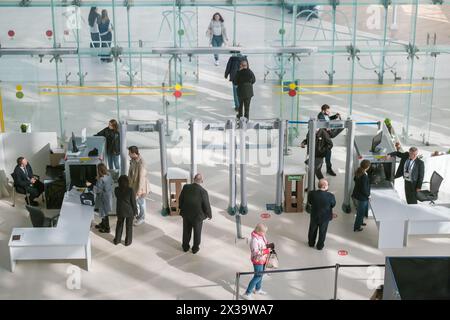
156, 126
231, 146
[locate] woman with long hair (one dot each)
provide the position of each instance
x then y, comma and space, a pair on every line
217, 33
126, 210
105, 28
361, 194
93, 20
112, 135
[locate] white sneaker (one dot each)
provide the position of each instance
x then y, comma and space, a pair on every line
261, 292
216, 62
247, 296
138, 222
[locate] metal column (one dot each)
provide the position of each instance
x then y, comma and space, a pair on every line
231, 127
193, 125
312, 152
346, 207
282, 125
123, 148
243, 132
160, 125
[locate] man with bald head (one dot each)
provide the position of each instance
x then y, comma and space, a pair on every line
322, 203
194, 208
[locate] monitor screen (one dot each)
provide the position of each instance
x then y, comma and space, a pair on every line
79, 174
376, 141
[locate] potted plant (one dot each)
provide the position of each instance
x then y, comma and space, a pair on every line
23, 127
388, 124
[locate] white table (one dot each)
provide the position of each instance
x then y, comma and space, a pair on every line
396, 219
69, 240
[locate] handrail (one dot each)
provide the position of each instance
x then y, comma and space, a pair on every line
337, 266
360, 123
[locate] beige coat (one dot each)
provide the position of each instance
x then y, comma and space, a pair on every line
137, 174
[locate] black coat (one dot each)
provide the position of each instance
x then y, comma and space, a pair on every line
194, 203
233, 66
245, 79
21, 180
322, 204
321, 116
417, 171
323, 143
112, 141
126, 203
361, 191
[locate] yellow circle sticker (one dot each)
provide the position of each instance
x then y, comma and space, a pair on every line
292, 86
177, 87
19, 87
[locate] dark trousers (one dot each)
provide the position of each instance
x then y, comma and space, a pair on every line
410, 192
244, 103
318, 162
328, 160
362, 211
95, 40
106, 43
128, 229
35, 190
188, 226
312, 233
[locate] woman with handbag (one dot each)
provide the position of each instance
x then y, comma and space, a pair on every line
260, 251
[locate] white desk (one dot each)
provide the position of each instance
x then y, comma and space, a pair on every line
396, 219
69, 240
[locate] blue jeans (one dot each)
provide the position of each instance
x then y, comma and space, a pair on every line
361, 211
235, 96
256, 281
217, 41
113, 162
141, 208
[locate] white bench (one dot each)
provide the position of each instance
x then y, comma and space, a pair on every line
70, 239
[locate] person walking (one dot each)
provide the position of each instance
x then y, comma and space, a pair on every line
361, 194
194, 208
105, 29
103, 196
260, 250
112, 135
233, 66
412, 170
323, 145
245, 78
217, 33
126, 210
322, 203
93, 20
138, 181
325, 115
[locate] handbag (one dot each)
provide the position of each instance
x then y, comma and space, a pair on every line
87, 198
272, 261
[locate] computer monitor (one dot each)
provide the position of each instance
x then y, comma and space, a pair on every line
80, 174
376, 141
74, 144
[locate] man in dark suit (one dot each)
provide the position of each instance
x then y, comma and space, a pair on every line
412, 170
323, 145
322, 203
325, 115
245, 78
233, 66
26, 182
194, 208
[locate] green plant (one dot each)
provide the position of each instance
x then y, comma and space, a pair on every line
448, 152
388, 122
23, 127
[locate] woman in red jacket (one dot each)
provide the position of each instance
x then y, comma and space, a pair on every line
260, 250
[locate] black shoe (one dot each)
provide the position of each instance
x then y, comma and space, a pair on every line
99, 226
127, 243
186, 249
311, 245
194, 251
103, 230
35, 203
319, 248
364, 224
96, 209
358, 230
116, 242
331, 172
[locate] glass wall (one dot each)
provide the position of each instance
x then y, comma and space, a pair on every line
367, 59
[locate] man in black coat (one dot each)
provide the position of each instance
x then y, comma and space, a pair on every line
245, 78
412, 170
26, 182
322, 203
233, 66
323, 145
325, 115
194, 208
